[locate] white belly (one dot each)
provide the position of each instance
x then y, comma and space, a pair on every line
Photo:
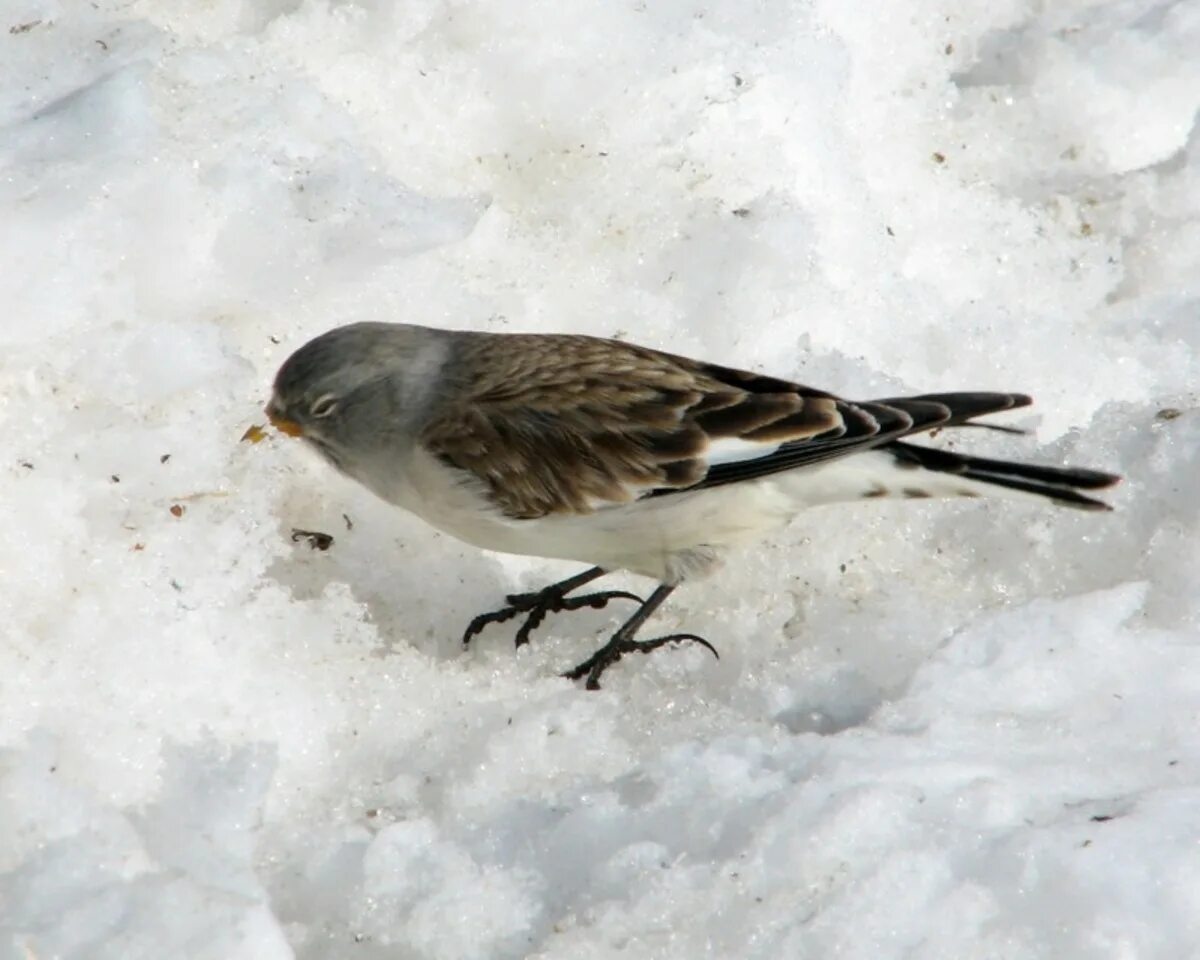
669, 538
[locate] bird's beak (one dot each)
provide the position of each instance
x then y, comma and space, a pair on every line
281, 423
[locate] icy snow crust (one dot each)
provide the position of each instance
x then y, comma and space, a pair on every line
936, 730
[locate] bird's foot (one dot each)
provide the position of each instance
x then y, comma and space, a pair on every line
621, 643
536, 606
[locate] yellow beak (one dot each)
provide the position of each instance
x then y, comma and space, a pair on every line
282, 424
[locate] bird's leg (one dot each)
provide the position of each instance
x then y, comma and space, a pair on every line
550, 599
622, 641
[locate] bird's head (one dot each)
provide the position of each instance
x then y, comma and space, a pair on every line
349, 391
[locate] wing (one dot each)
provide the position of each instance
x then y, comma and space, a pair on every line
568, 424
869, 424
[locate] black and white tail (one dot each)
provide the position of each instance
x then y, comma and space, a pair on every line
1060, 484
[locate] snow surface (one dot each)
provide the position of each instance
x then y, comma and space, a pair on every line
936, 731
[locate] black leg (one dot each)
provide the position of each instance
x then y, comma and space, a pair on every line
622, 641
551, 599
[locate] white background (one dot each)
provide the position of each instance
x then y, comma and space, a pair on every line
937, 730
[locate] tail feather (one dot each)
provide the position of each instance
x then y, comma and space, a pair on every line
997, 427
967, 406
880, 427
1061, 484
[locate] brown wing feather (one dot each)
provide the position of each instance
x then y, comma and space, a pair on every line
562, 424
565, 424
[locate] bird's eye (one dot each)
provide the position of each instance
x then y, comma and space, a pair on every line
323, 406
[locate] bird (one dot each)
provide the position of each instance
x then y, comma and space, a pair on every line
620, 456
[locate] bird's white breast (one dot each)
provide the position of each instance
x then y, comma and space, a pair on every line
670, 538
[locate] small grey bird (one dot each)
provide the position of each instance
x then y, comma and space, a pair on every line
617, 455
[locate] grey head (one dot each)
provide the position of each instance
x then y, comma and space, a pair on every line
359, 391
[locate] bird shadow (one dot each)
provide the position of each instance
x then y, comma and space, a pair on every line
419, 587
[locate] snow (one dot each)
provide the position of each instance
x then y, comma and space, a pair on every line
936, 730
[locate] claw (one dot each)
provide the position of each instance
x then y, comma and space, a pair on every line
554, 599
645, 646
536, 606
595, 665
597, 600
477, 625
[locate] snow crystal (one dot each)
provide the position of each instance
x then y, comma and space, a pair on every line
936, 730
